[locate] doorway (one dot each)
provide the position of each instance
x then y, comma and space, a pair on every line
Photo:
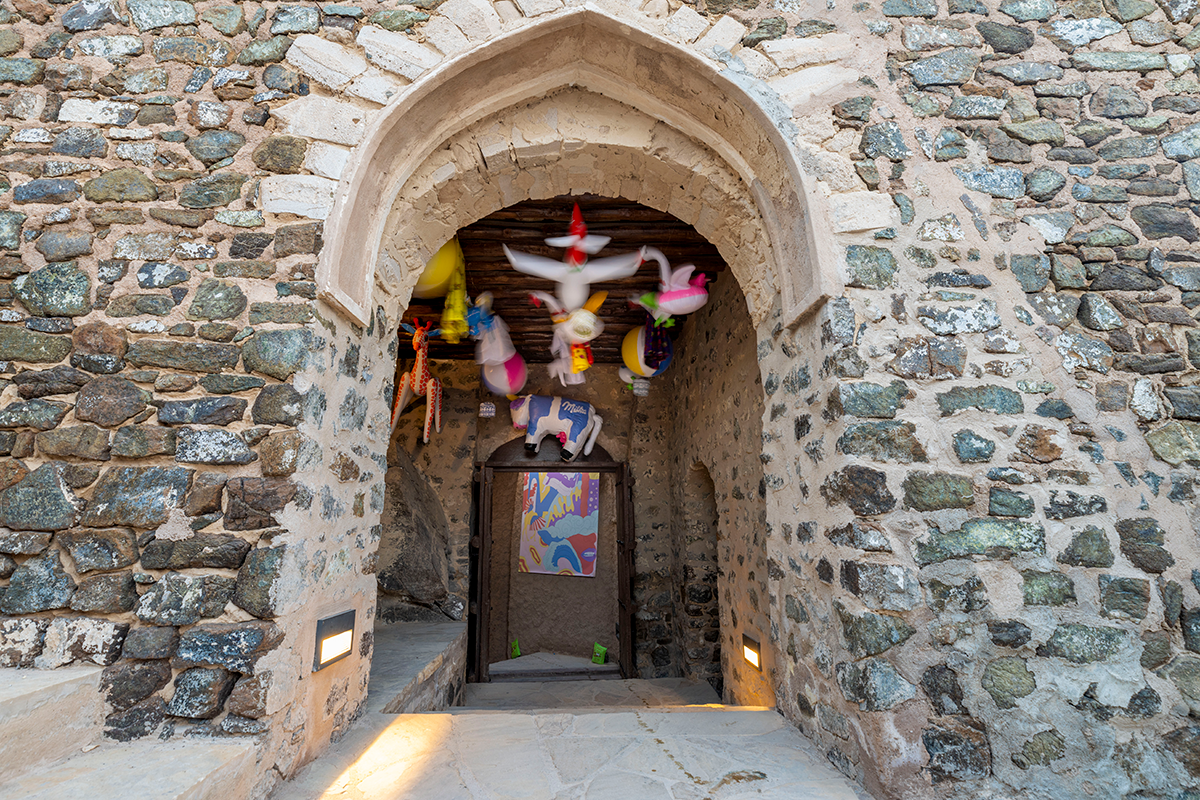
563, 616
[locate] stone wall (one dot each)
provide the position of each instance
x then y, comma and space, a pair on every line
974, 573
718, 424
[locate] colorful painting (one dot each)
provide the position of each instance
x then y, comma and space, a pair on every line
560, 523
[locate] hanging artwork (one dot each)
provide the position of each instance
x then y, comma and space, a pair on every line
560, 523
418, 382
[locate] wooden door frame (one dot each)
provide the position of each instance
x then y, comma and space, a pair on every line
507, 460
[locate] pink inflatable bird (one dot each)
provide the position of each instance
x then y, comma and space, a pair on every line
679, 292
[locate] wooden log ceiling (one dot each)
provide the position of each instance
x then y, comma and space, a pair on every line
524, 227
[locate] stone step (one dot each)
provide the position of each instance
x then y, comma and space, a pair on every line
46, 716
191, 770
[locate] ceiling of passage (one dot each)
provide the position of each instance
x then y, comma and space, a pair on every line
524, 227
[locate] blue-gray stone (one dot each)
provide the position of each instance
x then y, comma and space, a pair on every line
1007, 503
202, 411
56, 290
256, 582
910, 8
279, 353
11, 223
971, 448
39, 584
136, 497
233, 646
1083, 644
295, 19
1129, 147
216, 299
976, 107
950, 68
212, 191
1119, 62
1184, 145
41, 501
874, 684
150, 14
212, 447
185, 599
158, 275
870, 399
1029, 10
59, 246
884, 139
985, 398
871, 634
25, 71
1161, 221
1031, 271
41, 415
1027, 72
47, 190
982, 537
90, 15
1044, 183
870, 267
949, 145
1056, 308
1097, 313
278, 404
1005, 182
80, 143
270, 51
200, 693
215, 145
979, 318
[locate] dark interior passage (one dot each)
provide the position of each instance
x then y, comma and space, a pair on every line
549, 613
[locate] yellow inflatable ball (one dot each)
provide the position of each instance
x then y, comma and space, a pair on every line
633, 348
435, 280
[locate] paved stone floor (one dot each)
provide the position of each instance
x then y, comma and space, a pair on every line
584, 740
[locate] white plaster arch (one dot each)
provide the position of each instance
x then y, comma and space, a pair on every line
587, 48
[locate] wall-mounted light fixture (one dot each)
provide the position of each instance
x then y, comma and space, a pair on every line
335, 639
752, 652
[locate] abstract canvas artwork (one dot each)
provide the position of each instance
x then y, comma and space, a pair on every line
560, 523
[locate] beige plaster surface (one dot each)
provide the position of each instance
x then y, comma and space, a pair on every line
190, 770
45, 716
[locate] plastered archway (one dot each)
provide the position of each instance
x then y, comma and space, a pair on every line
587, 49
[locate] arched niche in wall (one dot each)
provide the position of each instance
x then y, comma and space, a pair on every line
414, 181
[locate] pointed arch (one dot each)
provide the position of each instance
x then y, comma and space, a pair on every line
719, 109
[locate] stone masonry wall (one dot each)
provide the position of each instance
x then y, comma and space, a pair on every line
980, 523
718, 422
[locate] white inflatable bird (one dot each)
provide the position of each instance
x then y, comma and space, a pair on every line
574, 273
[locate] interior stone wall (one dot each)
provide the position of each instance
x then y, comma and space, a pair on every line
718, 399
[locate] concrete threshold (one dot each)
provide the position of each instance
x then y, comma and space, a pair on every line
609, 740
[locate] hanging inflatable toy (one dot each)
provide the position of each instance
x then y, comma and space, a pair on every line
572, 332
502, 369
454, 312
679, 292
417, 382
439, 270
574, 423
575, 273
634, 354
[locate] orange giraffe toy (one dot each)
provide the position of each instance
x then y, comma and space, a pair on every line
417, 382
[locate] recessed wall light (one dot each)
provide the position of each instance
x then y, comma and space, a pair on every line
335, 639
